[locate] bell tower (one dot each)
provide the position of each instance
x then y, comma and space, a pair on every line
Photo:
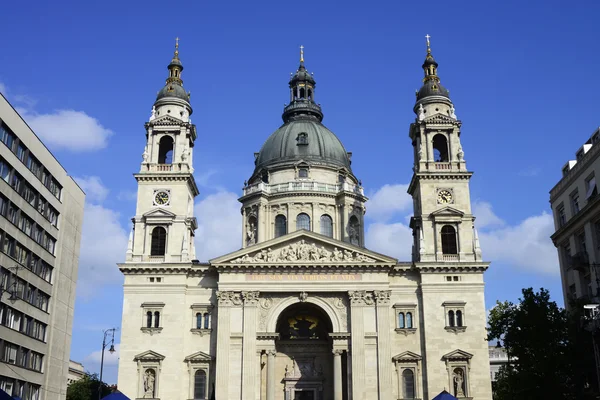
164, 224
443, 226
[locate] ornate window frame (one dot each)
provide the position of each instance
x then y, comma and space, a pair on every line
198, 361
459, 359
145, 361
455, 306
405, 308
152, 307
402, 362
203, 308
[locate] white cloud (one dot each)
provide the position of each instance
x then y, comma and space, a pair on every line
68, 129
389, 200
109, 359
526, 245
219, 225
484, 216
391, 239
127, 195
95, 191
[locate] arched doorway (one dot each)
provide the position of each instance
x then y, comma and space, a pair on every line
304, 353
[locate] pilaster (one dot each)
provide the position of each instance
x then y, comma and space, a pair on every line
384, 351
225, 301
249, 360
358, 300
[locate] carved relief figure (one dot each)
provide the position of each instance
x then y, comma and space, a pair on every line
301, 251
149, 380
459, 383
251, 232
421, 113
145, 154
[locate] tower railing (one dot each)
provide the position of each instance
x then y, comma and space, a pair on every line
302, 186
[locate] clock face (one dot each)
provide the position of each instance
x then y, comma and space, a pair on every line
444, 197
161, 198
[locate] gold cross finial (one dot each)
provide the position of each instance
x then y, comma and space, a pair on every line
301, 53
176, 42
428, 44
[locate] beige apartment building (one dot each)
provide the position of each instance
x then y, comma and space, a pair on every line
576, 208
41, 214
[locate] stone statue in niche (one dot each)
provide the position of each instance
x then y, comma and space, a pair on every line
153, 115
459, 382
421, 112
251, 233
145, 154
460, 154
149, 380
184, 155
452, 112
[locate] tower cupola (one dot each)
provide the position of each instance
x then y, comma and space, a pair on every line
174, 84
302, 96
431, 82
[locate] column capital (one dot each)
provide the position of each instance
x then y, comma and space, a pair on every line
382, 297
271, 353
361, 298
250, 298
337, 352
228, 298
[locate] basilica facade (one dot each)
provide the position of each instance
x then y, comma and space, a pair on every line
304, 311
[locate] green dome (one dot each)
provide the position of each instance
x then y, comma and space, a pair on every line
173, 90
302, 139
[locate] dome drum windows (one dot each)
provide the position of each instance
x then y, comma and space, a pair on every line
303, 222
326, 225
280, 225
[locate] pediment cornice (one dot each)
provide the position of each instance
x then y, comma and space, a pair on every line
159, 213
149, 355
303, 249
407, 356
166, 120
447, 212
440, 119
198, 356
457, 355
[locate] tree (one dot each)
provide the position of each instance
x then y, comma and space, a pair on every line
87, 388
537, 335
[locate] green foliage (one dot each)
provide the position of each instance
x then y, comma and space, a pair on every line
545, 346
87, 388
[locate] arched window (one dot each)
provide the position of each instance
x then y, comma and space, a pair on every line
310, 94
449, 240
280, 225
459, 319
451, 318
408, 383
302, 91
440, 148
401, 323
199, 321
303, 222
165, 150
326, 225
200, 385
409, 321
159, 241
354, 230
156, 319
149, 319
206, 321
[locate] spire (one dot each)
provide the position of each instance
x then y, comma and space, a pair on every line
302, 95
301, 56
175, 67
431, 81
430, 66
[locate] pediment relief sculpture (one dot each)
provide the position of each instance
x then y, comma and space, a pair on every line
303, 251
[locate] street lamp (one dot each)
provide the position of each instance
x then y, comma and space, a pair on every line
11, 287
111, 351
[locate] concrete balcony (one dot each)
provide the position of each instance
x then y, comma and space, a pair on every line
579, 261
301, 186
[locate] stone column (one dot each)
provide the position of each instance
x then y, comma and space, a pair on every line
384, 351
358, 300
225, 301
249, 364
271, 374
399, 381
337, 374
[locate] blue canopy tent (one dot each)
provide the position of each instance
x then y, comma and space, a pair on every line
4, 395
114, 396
444, 396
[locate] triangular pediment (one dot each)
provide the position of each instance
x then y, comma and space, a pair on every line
303, 247
457, 354
447, 212
407, 356
166, 120
159, 213
149, 355
440, 119
198, 356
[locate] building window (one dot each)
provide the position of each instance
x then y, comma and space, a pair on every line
562, 217
149, 319
326, 225
200, 385
354, 231
302, 138
590, 187
156, 319
455, 316
451, 321
408, 383
165, 150
302, 172
280, 225
575, 202
198, 320
4, 170
440, 148
401, 321
152, 313
303, 222
6, 136
202, 317
21, 152
449, 245
159, 241
405, 317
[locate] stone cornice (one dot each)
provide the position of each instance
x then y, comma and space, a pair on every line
445, 267
305, 266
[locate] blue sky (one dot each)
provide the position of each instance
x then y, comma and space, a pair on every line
521, 75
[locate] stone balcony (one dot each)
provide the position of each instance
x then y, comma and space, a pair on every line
165, 168
302, 186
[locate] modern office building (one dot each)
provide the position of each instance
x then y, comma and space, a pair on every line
41, 214
576, 209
